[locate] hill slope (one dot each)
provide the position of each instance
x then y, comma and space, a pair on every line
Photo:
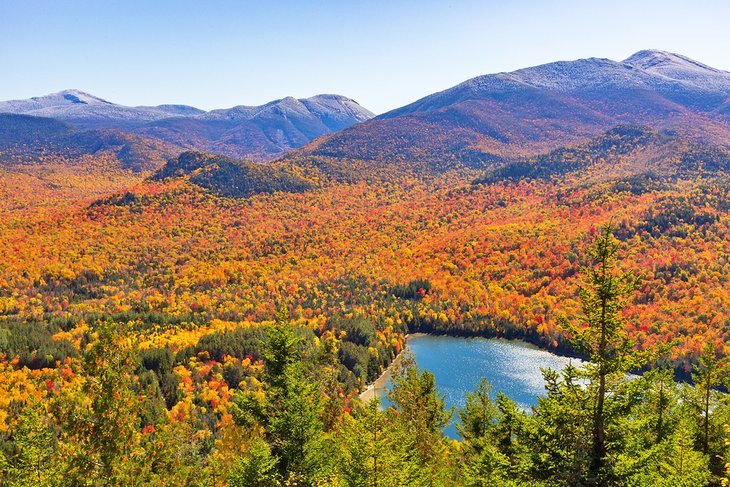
536, 109
251, 132
229, 177
624, 151
28, 139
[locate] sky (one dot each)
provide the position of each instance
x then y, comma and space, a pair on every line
383, 54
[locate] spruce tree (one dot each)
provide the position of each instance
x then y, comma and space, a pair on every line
707, 377
600, 334
289, 413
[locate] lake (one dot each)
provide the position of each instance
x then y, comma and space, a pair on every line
458, 364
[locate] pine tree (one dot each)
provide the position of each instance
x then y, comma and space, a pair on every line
557, 434
418, 409
485, 463
374, 451
706, 377
290, 411
257, 469
601, 336
478, 416
419, 405
683, 466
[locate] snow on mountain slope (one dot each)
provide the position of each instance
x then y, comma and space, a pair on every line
680, 68
87, 111
330, 107
649, 70
538, 109
253, 132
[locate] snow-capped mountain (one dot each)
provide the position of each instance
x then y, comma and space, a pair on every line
334, 111
88, 111
540, 108
251, 132
649, 70
666, 66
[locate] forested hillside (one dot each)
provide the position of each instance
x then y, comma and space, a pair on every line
266, 405
203, 320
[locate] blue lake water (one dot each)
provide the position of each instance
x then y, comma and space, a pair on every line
459, 364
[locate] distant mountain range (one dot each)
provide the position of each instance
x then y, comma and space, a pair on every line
534, 110
481, 123
258, 133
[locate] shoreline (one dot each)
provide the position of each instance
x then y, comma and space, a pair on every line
379, 384
679, 376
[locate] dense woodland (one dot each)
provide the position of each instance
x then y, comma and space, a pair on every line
171, 329
125, 415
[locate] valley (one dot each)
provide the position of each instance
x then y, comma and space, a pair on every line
217, 269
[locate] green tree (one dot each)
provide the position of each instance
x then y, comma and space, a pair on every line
102, 418
290, 412
485, 463
258, 469
419, 409
711, 408
706, 377
375, 451
34, 462
682, 465
650, 412
419, 405
510, 423
600, 334
478, 417
558, 433
660, 401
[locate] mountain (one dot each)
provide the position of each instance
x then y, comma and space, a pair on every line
537, 109
253, 132
90, 112
259, 133
624, 151
229, 177
28, 139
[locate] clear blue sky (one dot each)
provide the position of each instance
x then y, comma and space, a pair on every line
384, 54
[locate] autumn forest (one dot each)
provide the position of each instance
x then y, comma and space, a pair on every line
169, 316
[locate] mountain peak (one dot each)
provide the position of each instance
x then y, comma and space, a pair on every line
74, 97
655, 60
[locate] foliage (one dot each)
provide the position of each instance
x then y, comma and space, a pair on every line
133, 328
229, 177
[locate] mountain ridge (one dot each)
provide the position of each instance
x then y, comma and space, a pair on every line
259, 133
537, 109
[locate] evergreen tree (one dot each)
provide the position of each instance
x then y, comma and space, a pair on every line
290, 411
376, 452
102, 418
711, 408
510, 423
707, 377
484, 437
257, 469
660, 401
419, 409
682, 465
601, 336
558, 433
34, 462
478, 417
